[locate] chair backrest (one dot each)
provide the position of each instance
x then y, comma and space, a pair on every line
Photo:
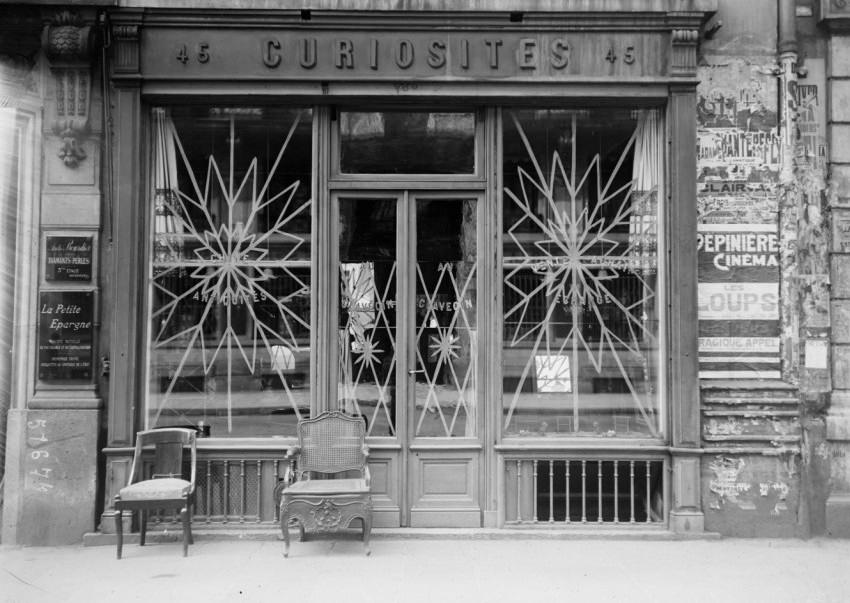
168, 445
331, 443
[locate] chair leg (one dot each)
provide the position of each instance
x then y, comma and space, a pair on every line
119, 532
284, 528
143, 526
191, 509
367, 532
184, 515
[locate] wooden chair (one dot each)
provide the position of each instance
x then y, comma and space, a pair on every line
165, 488
318, 493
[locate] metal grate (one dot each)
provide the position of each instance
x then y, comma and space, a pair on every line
234, 491
588, 490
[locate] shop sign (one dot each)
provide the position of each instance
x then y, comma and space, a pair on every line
364, 55
65, 335
68, 259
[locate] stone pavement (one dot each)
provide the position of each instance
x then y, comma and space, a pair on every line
400, 570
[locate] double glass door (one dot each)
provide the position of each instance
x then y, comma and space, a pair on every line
408, 348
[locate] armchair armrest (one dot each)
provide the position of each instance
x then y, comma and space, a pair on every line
289, 474
366, 475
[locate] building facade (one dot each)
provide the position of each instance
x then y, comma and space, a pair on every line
577, 264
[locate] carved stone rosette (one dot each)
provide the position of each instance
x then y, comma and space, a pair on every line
69, 49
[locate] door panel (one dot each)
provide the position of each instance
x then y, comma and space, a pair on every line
367, 311
408, 350
444, 421
446, 334
444, 488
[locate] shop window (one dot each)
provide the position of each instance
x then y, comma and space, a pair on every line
407, 142
580, 236
230, 280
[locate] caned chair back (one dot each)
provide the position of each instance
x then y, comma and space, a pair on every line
168, 446
331, 443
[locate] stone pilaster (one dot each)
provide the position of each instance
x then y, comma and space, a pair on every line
834, 454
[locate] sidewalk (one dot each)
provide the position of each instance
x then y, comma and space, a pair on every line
521, 570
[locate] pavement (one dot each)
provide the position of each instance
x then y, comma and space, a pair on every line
521, 569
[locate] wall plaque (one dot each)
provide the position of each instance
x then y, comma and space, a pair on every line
65, 335
68, 258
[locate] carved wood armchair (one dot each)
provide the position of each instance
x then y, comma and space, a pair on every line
165, 488
318, 491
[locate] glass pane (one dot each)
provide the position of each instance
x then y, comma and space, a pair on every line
446, 318
402, 142
367, 312
229, 335
581, 315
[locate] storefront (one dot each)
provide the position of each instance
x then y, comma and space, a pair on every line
474, 229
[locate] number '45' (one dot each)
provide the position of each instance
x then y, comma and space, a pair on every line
203, 54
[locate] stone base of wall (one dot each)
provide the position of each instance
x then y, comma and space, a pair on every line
838, 515
50, 482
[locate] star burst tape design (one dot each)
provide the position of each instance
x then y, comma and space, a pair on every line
231, 267
577, 256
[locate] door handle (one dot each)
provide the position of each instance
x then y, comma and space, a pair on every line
415, 371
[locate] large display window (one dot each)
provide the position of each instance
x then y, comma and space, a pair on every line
229, 279
581, 296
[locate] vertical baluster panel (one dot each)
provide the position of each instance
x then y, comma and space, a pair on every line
616, 491
632, 490
276, 480
567, 489
648, 496
534, 490
551, 491
242, 491
226, 509
519, 491
599, 491
209, 500
584, 491
259, 490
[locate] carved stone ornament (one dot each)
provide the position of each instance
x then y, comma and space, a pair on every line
683, 58
69, 52
835, 15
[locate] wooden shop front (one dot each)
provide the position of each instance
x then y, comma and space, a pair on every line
473, 228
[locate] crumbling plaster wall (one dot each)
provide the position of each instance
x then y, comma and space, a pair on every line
761, 171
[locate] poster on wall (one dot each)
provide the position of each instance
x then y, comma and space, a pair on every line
65, 336
738, 301
738, 239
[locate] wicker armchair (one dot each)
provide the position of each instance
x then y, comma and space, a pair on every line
318, 491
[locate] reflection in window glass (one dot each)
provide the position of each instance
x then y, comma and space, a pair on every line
404, 142
580, 296
367, 312
446, 329
229, 278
